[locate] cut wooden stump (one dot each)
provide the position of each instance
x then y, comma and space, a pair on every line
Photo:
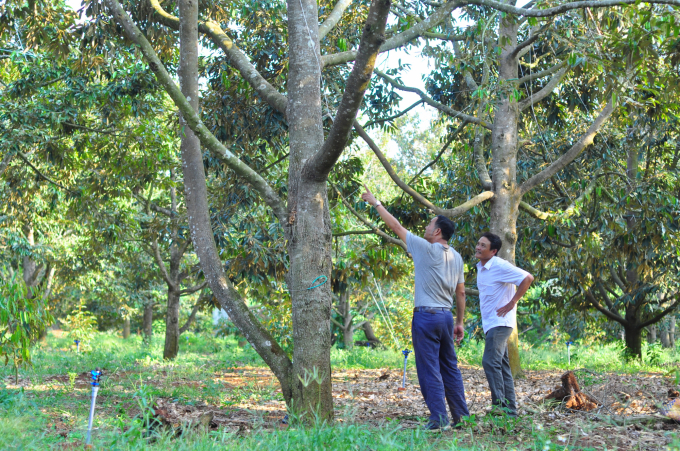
571, 395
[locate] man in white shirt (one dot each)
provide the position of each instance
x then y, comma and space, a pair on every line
438, 280
501, 285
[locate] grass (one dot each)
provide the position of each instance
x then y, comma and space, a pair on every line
31, 418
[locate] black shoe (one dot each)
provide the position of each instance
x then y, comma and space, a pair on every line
284, 420
431, 426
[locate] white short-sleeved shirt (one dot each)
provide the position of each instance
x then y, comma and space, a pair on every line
438, 270
497, 282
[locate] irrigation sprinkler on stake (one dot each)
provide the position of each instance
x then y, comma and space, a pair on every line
96, 374
77, 342
569, 343
406, 352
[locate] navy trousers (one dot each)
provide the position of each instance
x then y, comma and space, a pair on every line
437, 366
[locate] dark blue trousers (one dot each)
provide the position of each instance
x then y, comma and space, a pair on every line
437, 366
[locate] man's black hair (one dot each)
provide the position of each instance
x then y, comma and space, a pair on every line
446, 226
495, 241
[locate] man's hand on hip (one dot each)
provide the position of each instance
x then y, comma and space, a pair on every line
507, 308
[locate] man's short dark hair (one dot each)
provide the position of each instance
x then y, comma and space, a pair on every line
495, 241
446, 226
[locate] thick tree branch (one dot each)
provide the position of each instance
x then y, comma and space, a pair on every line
333, 18
527, 42
49, 277
480, 161
660, 316
193, 289
455, 212
571, 209
572, 153
549, 12
400, 39
368, 223
6, 160
544, 73
545, 91
319, 166
207, 139
427, 99
236, 56
611, 315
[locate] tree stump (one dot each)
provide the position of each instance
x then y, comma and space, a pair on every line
571, 395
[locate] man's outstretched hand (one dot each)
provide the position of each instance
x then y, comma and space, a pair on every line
458, 333
369, 197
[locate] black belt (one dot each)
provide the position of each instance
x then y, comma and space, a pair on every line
431, 309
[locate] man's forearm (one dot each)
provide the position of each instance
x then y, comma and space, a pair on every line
522, 288
460, 308
389, 220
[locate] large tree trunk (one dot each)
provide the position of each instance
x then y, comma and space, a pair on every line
126, 328
506, 199
665, 340
171, 348
308, 232
633, 338
671, 331
651, 334
370, 333
147, 321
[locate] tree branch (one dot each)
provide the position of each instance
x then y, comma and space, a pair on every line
459, 210
6, 160
544, 73
427, 99
400, 39
236, 56
611, 315
161, 264
333, 18
153, 206
441, 152
571, 209
444, 37
94, 130
545, 91
378, 121
660, 316
529, 41
549, 12
368, 223
199, 303
191, 117
572, 153
24, 157
354, 232
480, 161
193, 289
319, 166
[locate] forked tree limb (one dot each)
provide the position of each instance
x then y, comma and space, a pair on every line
545, 91
452, 213
401, 39
207, 139
585, 140
441, 152
609, 314
433, 103
236, 56
333, 18
527, 42
660, 316
193, 289
319, 166
569, 211
541, 74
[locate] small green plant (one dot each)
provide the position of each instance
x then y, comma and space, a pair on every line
22, 317
72, 380
654, 353
81, 325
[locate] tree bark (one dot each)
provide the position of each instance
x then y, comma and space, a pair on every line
505, 202
633, 339
171, 347
671, 331
126, 328
308, 229
665, 340
147, 321
651, 334
370, 333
